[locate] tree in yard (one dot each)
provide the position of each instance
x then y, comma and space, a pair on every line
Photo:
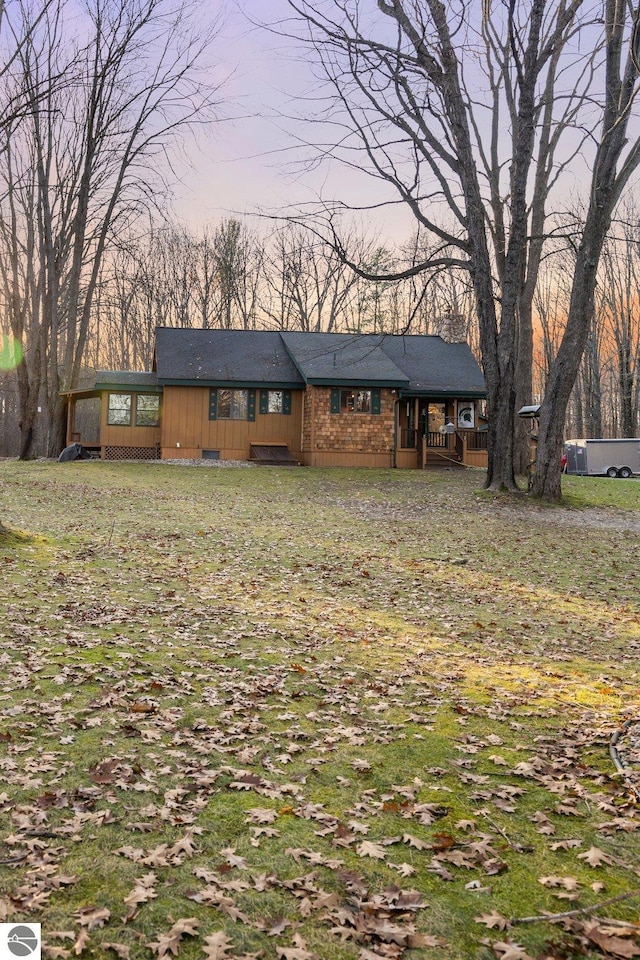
617, 156
618, 305
471, 113
103, 96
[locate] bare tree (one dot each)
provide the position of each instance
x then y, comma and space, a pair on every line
308, 286
618, 305
237, 258
80, 164
464, 108
617, 156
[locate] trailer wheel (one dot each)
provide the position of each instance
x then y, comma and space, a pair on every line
625, 472
612, 472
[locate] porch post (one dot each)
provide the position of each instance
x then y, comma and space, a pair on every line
70, 416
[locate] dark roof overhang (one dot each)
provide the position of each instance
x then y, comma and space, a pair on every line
346, 382
142, 383
232, 384
459, 394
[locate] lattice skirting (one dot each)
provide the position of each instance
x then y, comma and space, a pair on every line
132, 453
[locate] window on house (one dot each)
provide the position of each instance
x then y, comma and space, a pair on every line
355, 401
147, 410
232, 404
274, 401
119, 410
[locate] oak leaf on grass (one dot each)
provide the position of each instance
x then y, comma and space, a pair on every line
492, 920
369, 849
170, 942
508, 950
595, 857
217, 946
612, 945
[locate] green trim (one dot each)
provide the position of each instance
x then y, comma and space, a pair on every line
443, 394
233, 384
363, 384
104, 387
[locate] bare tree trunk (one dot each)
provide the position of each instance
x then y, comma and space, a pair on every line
564, 370
414, 83
616, 160
95, 109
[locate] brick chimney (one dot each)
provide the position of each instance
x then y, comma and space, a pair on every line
452, 327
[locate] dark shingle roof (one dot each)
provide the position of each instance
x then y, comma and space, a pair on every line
436, 367
343, 358
125, 378
118, 380
413, 364
224, 358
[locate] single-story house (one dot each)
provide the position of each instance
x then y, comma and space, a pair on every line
319, 399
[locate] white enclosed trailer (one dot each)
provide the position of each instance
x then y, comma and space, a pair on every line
603, 458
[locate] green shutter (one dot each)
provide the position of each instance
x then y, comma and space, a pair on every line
264, 401
286, 401
375, 400
251, 405
335, 399
213, 404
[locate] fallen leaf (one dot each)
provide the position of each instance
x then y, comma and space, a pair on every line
217, 946
170, 942
612, 945
595, 857
369, 849
492, 920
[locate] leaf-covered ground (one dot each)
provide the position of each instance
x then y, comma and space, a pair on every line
307, 714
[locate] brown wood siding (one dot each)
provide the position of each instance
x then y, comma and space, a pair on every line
341, 459
112, 436
476, 458
407, 459
185, 421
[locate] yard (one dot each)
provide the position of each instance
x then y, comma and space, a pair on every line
327, 714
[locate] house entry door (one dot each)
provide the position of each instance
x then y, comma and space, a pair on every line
435, 419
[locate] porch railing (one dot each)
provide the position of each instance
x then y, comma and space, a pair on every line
477, 441
408, 438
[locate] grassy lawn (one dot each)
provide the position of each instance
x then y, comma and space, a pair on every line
327, 714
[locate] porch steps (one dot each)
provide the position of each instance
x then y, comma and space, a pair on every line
435, 459
272, 455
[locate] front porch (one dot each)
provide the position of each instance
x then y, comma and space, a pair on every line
441, 433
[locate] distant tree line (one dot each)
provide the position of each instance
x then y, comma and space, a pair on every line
231, 275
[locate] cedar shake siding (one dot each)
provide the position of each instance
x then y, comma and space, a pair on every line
347, 438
